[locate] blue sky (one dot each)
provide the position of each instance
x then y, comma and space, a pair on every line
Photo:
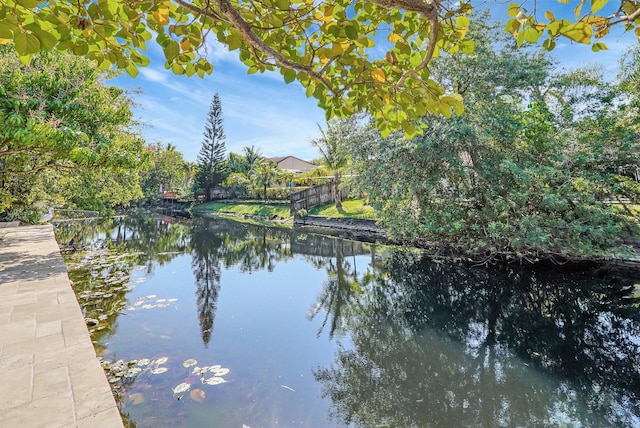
261, 110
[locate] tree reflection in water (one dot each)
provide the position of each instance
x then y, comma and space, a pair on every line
446, 345
343, 285
427, 343
107, 251
206, 247
216, 241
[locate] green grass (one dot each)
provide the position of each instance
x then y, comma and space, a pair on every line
634, 208
350, 208
253, 209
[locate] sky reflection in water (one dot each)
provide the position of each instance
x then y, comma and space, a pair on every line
321, 332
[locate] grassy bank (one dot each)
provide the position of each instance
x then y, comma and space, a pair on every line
267, 211
350, 208
279, 211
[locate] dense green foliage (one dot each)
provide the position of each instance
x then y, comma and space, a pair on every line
168, 171
65, 136
332, 145
510, 179
212, 165
352, 56
263, 175
444, 337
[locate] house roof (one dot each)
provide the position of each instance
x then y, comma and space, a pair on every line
279, 159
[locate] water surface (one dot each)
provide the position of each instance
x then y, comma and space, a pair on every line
320, 332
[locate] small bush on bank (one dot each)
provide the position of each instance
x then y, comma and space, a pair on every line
277, 193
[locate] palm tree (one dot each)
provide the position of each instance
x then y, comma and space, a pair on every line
332, 146
263, 174
251, 157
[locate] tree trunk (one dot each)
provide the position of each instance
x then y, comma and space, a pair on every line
336, 192
265, 193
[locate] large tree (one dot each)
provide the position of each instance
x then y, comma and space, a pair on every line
212, 165
59, 124
369, 55
168, 170
509, 179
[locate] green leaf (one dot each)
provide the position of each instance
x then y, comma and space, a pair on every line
599, 46
578, 10
403, 48
20, 41
351, 31
462, 21
531, 35
289, 75
139, 59
5, 24
513, 9
234, 41
177, 68
25, 59
26, 44
409, 129
28, 4
459, 108
47, 40
579, 32
131, 69
190, 70
171, 50
596, 5
80, 48
468, 46
520, 38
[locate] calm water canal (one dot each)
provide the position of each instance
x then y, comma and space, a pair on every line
214, 323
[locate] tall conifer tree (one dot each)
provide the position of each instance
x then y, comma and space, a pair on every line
212, 166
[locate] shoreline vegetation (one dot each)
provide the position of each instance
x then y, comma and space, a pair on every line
277, 213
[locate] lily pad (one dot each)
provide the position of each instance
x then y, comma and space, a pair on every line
221, 371
161, 360
143, 362
190, 362
133, 371
214, 381
181, 388
159, 370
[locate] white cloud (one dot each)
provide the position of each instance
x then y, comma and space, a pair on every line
154, 75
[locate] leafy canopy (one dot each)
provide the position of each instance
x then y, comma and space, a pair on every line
509, 179
63, 131
351, 55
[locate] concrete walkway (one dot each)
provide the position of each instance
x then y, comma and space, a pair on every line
49, 374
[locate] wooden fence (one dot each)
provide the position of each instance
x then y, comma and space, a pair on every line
314, 197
